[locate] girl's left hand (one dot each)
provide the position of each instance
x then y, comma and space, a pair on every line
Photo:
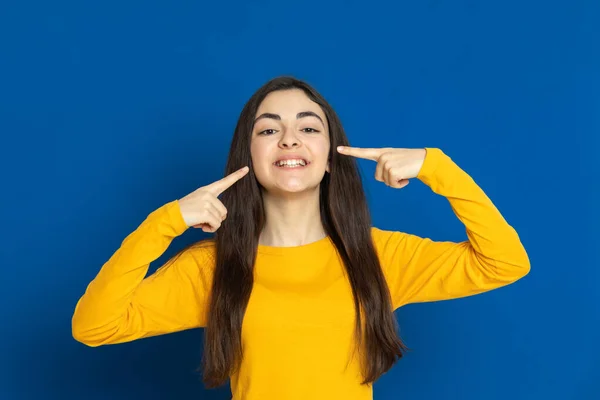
394, 166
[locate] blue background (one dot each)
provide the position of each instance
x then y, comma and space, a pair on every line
109, 110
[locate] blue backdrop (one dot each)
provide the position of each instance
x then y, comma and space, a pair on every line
109, 110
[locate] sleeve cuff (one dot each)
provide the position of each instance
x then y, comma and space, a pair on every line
176, 218
433, 158
169, 218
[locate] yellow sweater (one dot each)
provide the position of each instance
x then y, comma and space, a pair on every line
298, 327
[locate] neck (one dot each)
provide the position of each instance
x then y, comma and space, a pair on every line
292, 220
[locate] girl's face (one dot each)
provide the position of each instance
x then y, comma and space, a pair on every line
288, 123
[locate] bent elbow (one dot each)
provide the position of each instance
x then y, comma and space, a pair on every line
524, 264
520, 268
91, 335
80, 336
524, 269
507, 269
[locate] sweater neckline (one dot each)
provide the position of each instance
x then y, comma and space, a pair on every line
316, 246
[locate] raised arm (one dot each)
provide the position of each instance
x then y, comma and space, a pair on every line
121, 305
419, 269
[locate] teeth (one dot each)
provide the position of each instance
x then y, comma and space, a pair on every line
290, 163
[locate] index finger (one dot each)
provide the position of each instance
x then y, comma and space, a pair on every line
368, 153
223, 184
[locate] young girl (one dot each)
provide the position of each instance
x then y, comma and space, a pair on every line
296, 291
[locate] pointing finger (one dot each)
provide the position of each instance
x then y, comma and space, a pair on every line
221, 185
367, 153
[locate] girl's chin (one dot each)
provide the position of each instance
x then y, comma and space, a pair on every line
291, 187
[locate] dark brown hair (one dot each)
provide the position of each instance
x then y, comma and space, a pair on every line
346, 219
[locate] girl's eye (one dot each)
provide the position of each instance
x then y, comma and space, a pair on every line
270, 131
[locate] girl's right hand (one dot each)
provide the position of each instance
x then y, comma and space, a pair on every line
202, 208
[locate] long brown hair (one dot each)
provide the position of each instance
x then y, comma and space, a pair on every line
347, 221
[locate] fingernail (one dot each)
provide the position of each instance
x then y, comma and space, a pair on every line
340, 148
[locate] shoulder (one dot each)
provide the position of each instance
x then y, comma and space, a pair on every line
383, 237
203, 249
203, 253
394, 243
193, 261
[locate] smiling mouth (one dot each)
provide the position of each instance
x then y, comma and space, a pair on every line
291, 165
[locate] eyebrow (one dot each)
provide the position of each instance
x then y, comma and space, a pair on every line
302, 114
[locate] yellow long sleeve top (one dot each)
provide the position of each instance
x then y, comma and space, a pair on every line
298, 327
